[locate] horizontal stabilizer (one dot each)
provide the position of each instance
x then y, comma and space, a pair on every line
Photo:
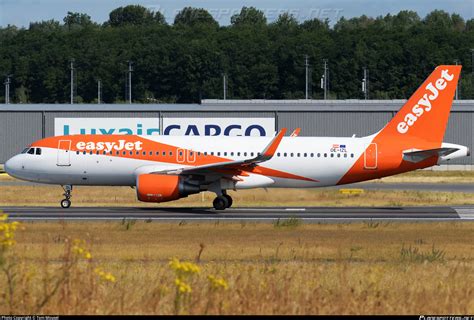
415, 155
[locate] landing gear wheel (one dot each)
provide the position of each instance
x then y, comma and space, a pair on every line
65, 203
220, 203
229, 200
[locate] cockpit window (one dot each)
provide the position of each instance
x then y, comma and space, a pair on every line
38, 151
31, 151
25, 150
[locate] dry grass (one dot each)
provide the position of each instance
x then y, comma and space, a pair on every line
362, 268
125, 196
428, 176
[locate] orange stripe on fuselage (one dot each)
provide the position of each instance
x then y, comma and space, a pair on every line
154, 146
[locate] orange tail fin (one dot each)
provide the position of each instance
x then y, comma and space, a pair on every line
425, 115
419, 125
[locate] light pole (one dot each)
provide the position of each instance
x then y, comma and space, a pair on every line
224, 84
72, 80
7, 90
472, 73
99, 93
457, 86
324, 79
130, 69
365, 83
472, 61
306, 64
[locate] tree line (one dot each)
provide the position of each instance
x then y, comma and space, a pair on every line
185, 61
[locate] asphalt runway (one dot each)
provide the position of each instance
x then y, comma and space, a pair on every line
440, 187
267, 214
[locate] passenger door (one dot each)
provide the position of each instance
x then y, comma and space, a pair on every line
64, 153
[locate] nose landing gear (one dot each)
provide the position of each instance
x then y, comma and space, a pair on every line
66, 203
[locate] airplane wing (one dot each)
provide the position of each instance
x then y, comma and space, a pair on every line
414, 155
230, 166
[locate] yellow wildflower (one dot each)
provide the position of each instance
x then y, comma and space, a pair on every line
217, 283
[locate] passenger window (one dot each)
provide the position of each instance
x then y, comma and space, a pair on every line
212, 153
305, 155
232, 154
104, 152
31, 151
90, 152
345, 155
278, 154
124, 153
131, 153
151, 153
332, 155
157, 153
38, 151
291, 154
77, 152
245, 154
164, 153
251, 154
312, 155
97, 152
238, 154
325, 155
218, 153
298, 154
352, 155
144, 153
171, 153
338, 155
225, 154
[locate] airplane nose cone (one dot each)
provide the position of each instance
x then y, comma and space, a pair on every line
7, 166
12, 166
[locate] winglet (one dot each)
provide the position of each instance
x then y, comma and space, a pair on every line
295, 132
269, 151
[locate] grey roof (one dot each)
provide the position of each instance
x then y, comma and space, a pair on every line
235, 105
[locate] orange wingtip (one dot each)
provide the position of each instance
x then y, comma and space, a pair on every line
270, 150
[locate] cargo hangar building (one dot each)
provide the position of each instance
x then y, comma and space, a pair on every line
22, 124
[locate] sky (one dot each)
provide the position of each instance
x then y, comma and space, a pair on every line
22, 12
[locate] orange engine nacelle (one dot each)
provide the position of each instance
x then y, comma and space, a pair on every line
162, 188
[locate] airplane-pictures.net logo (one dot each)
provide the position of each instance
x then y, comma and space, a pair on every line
424, 104
109, 146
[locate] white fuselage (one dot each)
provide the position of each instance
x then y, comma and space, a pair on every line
310, 157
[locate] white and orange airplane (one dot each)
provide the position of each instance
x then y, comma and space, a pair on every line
167, 168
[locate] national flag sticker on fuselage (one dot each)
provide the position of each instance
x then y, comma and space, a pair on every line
338, 148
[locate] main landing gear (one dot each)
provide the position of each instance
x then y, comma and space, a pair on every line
66, 203
222, 202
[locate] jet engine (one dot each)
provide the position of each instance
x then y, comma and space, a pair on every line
163, 188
